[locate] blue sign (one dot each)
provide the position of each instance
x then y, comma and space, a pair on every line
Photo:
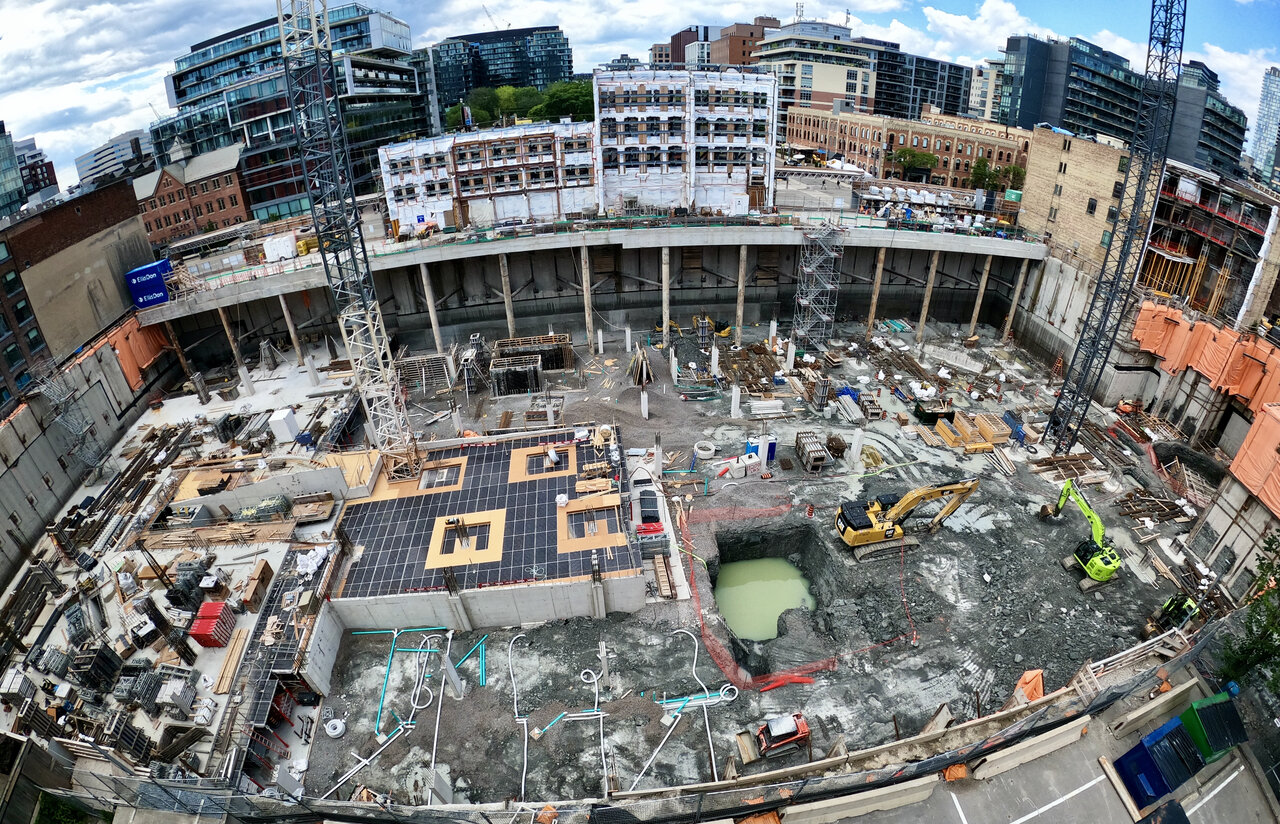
146, 284
422, 218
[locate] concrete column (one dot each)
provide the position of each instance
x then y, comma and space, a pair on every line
235, 345
312, 373
599, 341
644, 404
735, 402
742, 293
177, 348
430, 294
675, 368
1017, 295
506, 294
773, 332
293, 330
791, 354
928, 295
586, 296
715, 360
875, 290
628, 333
460, 615
666, 296
982, 290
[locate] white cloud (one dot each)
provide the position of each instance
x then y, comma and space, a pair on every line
985, 33
1131, 50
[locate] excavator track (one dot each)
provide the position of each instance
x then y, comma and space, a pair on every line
866, 551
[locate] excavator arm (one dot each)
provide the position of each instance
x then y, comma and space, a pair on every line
1069, 491
959, 492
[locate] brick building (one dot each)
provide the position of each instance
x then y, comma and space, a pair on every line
737, 42
868, 139
62, 279
1072, 192
192, 195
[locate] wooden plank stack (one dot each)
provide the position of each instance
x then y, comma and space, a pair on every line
992, 428
948, 433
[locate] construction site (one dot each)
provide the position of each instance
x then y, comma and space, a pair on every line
675, 518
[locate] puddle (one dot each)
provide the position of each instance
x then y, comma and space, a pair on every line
752, 594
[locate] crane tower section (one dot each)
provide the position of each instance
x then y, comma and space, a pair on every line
322, 150
1114, 290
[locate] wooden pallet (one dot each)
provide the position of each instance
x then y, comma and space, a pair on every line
222, 685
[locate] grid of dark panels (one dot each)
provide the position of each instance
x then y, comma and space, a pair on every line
397, 533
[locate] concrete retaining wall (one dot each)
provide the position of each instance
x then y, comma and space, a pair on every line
1001, 761
884, 798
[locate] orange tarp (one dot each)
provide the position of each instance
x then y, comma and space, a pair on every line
1032, 684
1241, 365
136, 348
1256, 464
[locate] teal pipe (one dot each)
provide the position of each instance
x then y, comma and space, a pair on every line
386, 679
415, 649
473, 649
484, 681
554, 720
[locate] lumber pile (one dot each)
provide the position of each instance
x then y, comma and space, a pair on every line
848, 409
992, 428
1001, 462
948, 433
1083, 469
1140, 504
926, 434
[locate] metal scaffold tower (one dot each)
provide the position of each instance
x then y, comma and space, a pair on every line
817, 284
1125, 253
52, 383
322, 149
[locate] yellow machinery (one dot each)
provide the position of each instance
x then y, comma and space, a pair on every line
880, 520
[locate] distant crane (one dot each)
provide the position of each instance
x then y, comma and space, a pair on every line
322, 149
489, 14
1114, 291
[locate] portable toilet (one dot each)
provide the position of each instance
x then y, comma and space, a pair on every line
1160, 763
766, 446
1215, 725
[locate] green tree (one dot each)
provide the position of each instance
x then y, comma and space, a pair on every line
1015, 176
911, 160
572, 98
526, 97
1258, 645
981, 176
506, 96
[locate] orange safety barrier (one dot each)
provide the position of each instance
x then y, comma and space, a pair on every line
136, 348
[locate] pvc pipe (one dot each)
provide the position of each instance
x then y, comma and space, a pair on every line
416, 649
386, 679
649, 763
706, 717
515, 704
473, 649
435, 736
483, 680
363, 763
554, 720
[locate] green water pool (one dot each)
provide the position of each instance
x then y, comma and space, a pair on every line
752, 594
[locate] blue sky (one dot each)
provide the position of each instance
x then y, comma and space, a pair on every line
76, 74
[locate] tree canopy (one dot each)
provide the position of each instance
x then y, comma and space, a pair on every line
491, 107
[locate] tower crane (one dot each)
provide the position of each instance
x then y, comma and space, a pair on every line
1125, 252
322, 150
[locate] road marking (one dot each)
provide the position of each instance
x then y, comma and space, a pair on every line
959, 811
1064, 798
1216, 790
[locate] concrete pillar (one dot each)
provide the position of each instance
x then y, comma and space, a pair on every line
773, 333
457, 420
245, 380
235, 345
735, 402
855, 451
293, 330
628, 333
177, 348
666, 296
791, 354
312, 373
675, 367
506, 294
430, 294
599, 341
875, 291
742, 293
1017, 295
715, 360
982, 290
460, 615
586, 296
928, 295
644, 404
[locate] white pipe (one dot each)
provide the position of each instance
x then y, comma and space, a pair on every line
515, 705
649, 763
593, 678
366, 762
706, 717
435, 736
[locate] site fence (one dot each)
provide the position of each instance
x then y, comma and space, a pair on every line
837, 775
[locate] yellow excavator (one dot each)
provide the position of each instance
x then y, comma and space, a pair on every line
1095, 555
877, 524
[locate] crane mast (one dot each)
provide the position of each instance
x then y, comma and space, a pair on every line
311, 81
1120, 266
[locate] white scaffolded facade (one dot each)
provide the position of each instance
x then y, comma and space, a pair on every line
538, 172
698, 140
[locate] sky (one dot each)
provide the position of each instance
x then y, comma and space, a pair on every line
77, 73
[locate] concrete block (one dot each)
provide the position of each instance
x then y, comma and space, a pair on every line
861, 803
989, 766
1168, 705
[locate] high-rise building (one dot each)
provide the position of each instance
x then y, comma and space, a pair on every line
682, 38
737, 43
697, 55
231, 89
111, 157
39, 180
821, 64
984, 90
536, 57
427, 101
1072, 84
11, 197
1208, 131
1266, 133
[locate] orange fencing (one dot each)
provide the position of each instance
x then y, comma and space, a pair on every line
1257, 465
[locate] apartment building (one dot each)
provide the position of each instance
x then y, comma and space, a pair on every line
537, 56
984, 90
11, 194
192, 195
737, 43
698, 140
112, 156
1208, 132
39, 180
537, 172
868, 140
1266, 133
231, 89
660, 55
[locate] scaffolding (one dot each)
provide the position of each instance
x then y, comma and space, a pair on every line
51, 382
817, 284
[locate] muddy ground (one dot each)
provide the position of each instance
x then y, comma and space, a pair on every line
955, 620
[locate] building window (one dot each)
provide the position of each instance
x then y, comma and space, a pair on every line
1117, 189
208, 206
186, 214
1066, 144
1124, 165
20, 382
34, 341
1062, 167
191, 190
1112, 214
222, 204
1092, 208
182, 194
12, 355
217, 184
22, 311
235, 201
147, 224
1057, 189
1053, 213
204, 186
167, 221
227, 180
1106, 238
5, 395
4, 251
12, 283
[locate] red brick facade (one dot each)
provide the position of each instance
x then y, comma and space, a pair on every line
179, 209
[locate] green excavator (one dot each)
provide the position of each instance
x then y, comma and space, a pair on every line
1095, 555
